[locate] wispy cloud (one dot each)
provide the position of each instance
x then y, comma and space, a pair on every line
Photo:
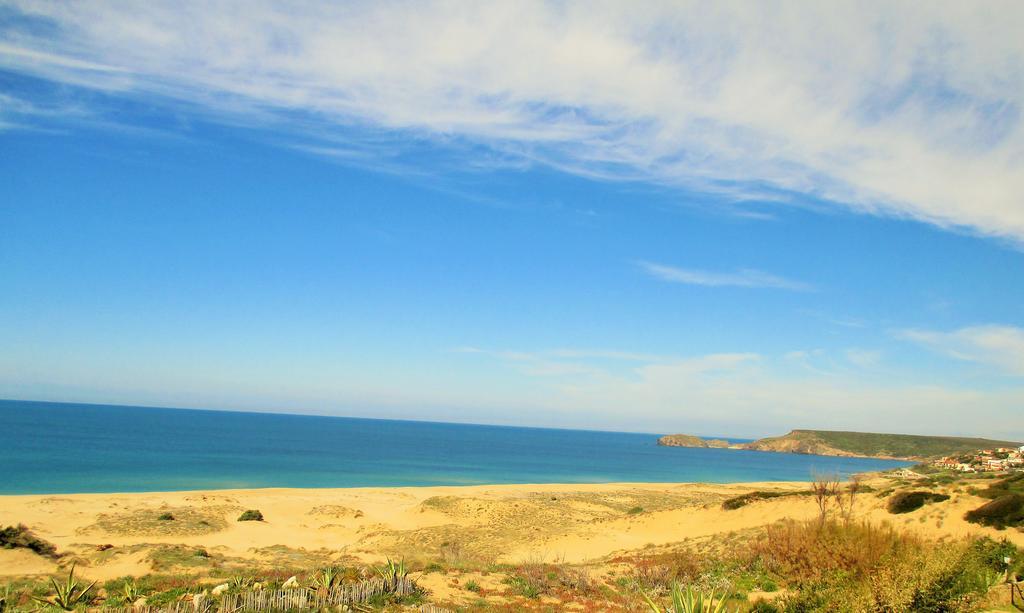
863, 358
740, 278
998, 346
904, 109
762, 393
563, 362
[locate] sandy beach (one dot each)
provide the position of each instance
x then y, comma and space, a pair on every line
113, 535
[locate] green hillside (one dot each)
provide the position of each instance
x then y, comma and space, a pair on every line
892, 445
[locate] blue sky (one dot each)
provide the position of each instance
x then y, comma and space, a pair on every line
588, 220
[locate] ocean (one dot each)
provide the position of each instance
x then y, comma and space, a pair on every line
50, 448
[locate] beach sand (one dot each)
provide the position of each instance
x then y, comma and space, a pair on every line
113, 535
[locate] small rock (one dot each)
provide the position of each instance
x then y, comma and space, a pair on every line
220, 589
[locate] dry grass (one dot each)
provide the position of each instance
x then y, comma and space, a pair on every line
863, 566
482, 529
335, 511
188, 521
807, 551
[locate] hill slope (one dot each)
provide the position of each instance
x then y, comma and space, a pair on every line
866, 444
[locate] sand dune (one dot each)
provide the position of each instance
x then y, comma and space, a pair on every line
113, 535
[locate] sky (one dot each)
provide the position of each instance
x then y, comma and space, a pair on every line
730, 218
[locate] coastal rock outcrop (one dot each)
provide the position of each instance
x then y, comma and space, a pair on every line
688, 440
798, 442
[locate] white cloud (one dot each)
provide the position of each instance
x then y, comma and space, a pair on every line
864, 358
740, 278
905, 109
999, 346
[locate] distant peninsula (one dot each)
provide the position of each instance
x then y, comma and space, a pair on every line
850, 444
687, 440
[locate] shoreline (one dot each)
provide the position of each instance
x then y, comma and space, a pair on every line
376, 488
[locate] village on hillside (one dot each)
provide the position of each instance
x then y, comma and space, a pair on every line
1002, 459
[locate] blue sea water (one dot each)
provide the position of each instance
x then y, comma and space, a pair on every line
64, 448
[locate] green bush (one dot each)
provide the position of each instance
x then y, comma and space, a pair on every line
13, 537
736, 502
635, 511
1000, 513
166, 517
251, 515
992, 554
905, 502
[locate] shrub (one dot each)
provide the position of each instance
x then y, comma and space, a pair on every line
526, 588
736, 502
575, 579
1007, 510
13, 537
635, 511
529, 581
992, 554
806, 551
659, 573
863, 567
166, 517
905, 502
1014, 484
473, 586
251, 515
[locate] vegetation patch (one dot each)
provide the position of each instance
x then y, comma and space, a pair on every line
905, 502
184, 521
1006, 508
533, 580
737, 502
20, 536
1005, 511
335, 511
843, 566
251, 515
169, 557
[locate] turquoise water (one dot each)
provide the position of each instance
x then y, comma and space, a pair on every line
64, 448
